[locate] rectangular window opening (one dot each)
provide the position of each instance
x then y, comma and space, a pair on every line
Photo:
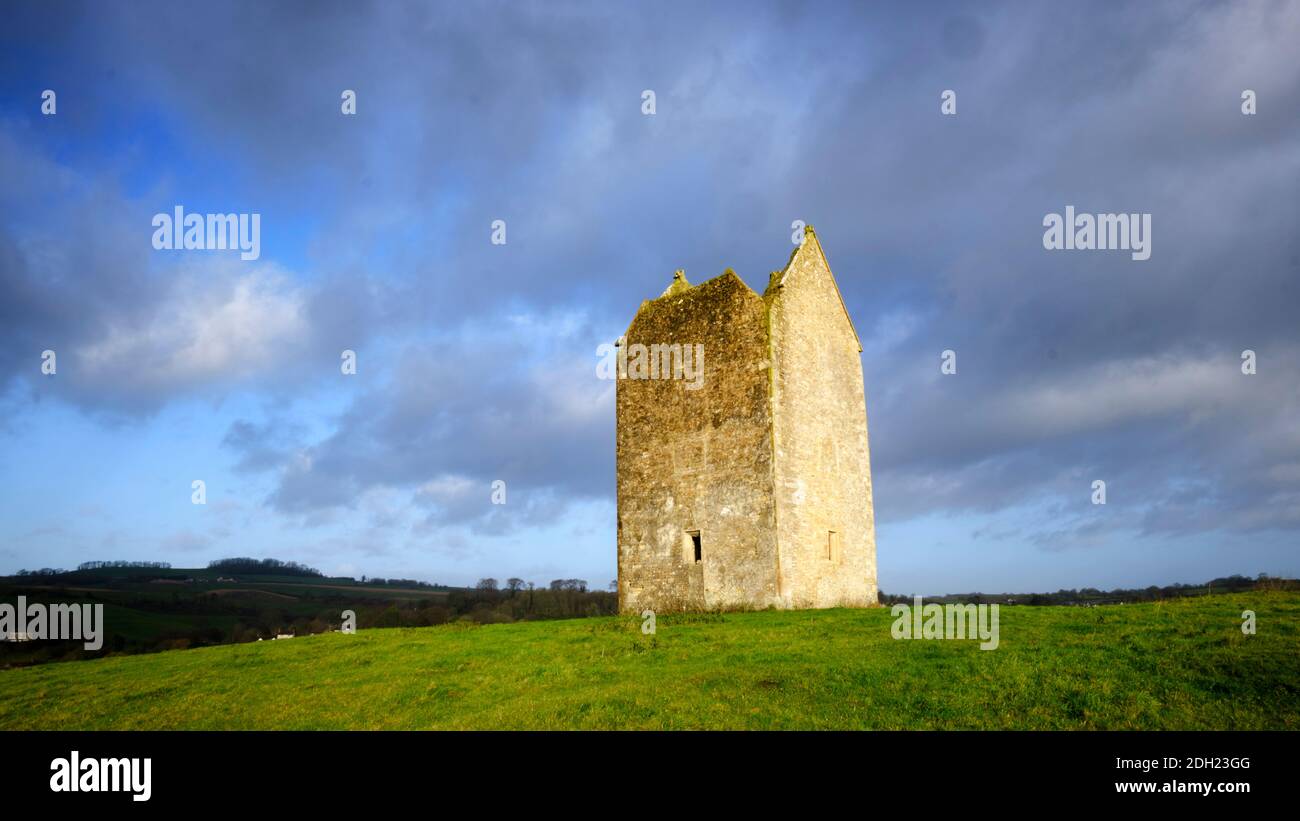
832, 546
695, 541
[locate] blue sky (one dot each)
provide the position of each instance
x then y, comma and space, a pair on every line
476, 362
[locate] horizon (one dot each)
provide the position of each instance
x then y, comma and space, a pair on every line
594, 587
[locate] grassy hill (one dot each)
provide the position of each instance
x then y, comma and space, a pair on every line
148, 609
1169, 665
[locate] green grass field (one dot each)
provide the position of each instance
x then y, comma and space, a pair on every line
1183, 664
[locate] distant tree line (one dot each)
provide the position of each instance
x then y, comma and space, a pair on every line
1092, 596
488, 602
268, 567
399, 583
124, 563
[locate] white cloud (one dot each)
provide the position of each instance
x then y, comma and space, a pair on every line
1121, 391
215, 324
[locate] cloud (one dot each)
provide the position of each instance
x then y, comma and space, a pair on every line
447, 416
186, 541
476, 360
212, 325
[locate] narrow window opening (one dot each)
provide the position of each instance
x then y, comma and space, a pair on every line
695, 541
832, 546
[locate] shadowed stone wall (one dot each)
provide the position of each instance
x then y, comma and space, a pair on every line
700, 459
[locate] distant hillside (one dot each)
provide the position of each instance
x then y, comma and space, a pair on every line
1183, 664
148, 609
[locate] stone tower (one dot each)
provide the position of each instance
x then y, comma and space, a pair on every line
743, 471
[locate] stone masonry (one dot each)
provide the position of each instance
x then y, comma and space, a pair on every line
752, 487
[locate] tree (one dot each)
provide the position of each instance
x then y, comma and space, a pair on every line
487, 584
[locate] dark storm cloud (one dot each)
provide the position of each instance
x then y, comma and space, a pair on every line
516, 402
1072, 366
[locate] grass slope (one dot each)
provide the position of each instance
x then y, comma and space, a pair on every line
1182, 664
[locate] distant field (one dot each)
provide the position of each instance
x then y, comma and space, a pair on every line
154, 608
1172, 665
